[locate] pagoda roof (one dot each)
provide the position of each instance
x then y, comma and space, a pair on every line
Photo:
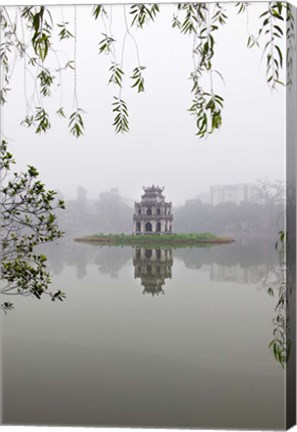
153, 188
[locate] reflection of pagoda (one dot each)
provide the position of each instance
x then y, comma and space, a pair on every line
152, 266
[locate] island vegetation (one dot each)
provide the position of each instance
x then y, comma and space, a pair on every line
174, 240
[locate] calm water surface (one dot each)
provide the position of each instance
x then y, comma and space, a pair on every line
148, 337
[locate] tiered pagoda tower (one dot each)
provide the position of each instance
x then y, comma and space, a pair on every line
153, 215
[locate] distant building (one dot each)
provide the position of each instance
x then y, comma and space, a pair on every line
152, 215
232, 193
204, 197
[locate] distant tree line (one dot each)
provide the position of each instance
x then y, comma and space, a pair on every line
228, 217
111, 213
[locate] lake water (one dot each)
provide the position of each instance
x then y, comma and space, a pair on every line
154, 338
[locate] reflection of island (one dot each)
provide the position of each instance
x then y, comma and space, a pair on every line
152, 266
67, 253
238, 262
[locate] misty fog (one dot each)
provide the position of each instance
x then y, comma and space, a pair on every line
161, 147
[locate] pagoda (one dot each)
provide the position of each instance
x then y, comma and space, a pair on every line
152, 214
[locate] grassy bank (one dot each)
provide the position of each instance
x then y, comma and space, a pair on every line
155, 239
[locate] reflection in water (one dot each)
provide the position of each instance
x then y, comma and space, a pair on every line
116, 342
110, 260
242, 263
236, 262
236, 273
152, 266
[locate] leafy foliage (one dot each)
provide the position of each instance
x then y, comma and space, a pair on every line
242, 6
138, 79
121, 121
207, 110
27, 220
280, 345
274, 58
116, 74
64, 32
272, 31
46, 81
143, 13
5, 51
193, 14
291, 43
41, 28
98, 11
61, 112
40, 120
76, 124
105, 44
198, 21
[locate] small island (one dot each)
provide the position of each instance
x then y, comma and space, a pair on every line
173, 240
153, 226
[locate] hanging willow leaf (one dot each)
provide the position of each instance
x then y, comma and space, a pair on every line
206, 105
121, 122
242, 6
116, 74
189, 24
105, 44
41, 27
138, 80
98, 11
28, 121
42, 120
76, 124
273, 19
60, 112
219, 15
46, 81
207, 109
142, 14
64, 32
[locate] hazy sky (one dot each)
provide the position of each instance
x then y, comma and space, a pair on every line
161, 147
